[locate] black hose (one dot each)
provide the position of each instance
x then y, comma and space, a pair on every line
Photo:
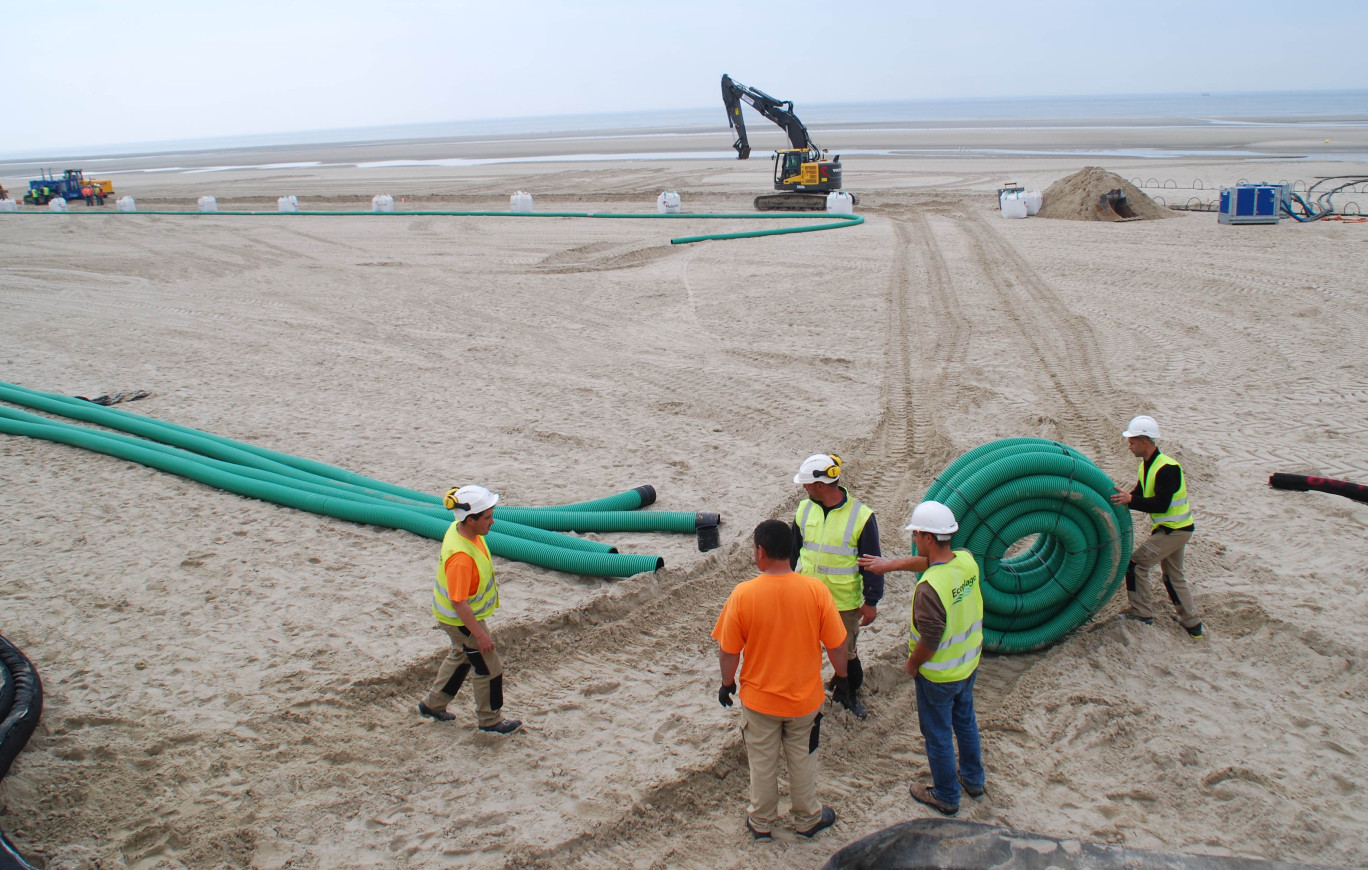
21, 703
1303, 482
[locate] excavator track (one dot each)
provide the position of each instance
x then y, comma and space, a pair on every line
795, 201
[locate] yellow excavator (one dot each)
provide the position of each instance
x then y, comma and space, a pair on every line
802, 171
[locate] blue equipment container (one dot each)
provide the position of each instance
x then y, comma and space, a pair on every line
1250, 204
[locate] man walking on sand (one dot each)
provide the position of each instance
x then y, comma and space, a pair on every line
465, 595
1161, 492
947, 640
780, 620
831, 530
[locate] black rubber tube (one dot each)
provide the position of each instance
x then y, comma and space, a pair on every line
1304, 483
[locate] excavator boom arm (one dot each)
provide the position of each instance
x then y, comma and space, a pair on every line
779, 111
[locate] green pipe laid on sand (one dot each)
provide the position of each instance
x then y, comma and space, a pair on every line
282, 479
839, 220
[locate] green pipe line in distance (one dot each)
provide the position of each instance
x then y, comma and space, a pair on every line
542, 555
841, 219
1007, 491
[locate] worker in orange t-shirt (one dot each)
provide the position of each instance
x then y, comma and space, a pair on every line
781, 620
464, 595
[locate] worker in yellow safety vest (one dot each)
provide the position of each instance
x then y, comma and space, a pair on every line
943, 654
1161, 492
831, 530
464, 596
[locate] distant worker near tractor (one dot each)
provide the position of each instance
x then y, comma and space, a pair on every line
1161, 492
464, 597
943, 655
831, 530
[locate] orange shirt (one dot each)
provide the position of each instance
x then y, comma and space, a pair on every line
781, 622
462, 575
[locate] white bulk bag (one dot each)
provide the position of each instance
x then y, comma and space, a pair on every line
668, 202
839, 202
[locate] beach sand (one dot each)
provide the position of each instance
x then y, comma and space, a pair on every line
232, 683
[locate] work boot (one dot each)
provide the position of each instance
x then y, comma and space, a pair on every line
827, 820
507, 726
439, 715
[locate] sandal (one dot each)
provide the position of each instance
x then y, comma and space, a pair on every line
923, 794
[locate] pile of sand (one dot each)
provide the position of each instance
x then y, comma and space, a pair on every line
1075, 198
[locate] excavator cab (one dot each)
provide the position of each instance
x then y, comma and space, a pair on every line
795, 169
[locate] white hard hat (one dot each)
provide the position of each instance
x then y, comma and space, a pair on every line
819, 468
934, 518
1142, 425
467, 500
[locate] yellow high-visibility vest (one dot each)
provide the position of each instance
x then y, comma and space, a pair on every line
957, 653
486, 598
829, 551
1179, 514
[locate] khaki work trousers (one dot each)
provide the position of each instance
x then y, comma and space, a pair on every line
851, 620
1165, 550
465, 657
766, 737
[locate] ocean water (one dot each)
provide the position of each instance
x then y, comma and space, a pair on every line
1291, 108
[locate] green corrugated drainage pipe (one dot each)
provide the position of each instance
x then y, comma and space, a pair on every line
282, 479
1007, 491
839, 220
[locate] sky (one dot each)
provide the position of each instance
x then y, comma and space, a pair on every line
154, 70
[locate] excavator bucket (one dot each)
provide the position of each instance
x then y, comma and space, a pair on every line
1112, 206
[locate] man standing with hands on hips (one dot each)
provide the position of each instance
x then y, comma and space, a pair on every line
831, 530
781, 621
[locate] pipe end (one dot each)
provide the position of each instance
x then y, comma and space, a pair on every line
702, 519
708, 538
647, 493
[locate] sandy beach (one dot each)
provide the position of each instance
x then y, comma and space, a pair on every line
232, 683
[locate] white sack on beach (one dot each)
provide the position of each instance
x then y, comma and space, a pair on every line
839, 202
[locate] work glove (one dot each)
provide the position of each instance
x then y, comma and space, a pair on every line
724, 694
840, 691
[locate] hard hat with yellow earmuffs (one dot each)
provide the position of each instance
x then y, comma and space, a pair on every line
470, 499
819, 468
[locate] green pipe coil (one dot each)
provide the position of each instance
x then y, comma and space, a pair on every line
1007, 491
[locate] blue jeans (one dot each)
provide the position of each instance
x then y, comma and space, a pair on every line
944, 709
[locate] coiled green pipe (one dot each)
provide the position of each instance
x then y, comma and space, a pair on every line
1006, 491
340, 506
841, 220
